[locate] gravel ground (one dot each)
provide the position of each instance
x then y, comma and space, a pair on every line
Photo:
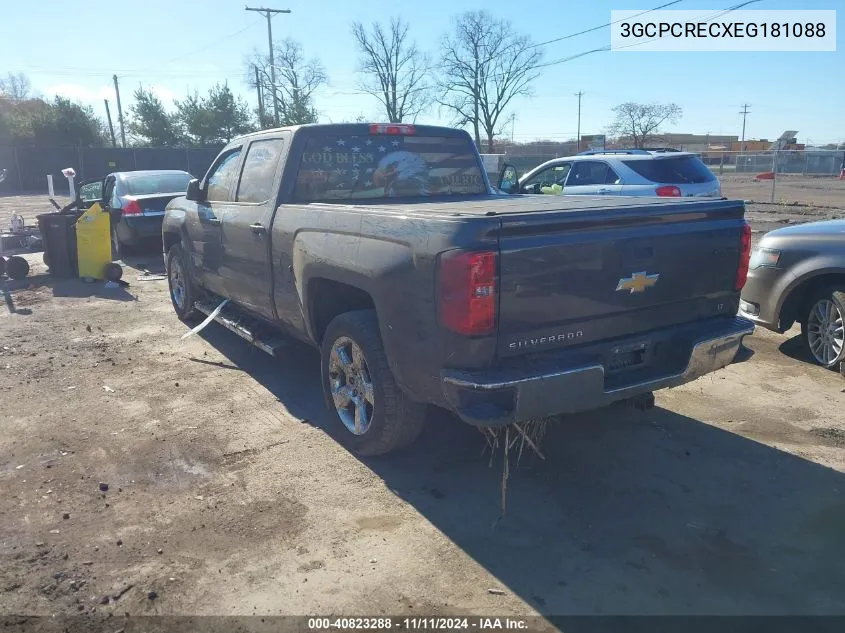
229, 494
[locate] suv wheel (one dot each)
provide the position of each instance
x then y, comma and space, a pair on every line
823, 328
183, 292
376, 416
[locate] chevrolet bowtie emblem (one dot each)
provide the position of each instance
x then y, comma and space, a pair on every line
637, 282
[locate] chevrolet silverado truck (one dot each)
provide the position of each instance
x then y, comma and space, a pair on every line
386, 247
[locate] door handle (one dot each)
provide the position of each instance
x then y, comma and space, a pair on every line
257, 228
603, 190
213, 221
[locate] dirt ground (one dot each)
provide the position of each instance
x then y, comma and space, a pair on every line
229, 494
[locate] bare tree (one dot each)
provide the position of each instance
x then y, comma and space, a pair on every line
297, 79
15, 86
484, 64
641, 121
394, 69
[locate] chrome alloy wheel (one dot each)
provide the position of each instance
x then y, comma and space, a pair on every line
351, 385
825, 333
177, 283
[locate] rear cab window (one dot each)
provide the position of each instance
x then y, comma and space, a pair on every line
145, 184
679, 170
372, 166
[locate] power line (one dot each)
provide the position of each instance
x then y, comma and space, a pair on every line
603, 26
214, 42
607, 47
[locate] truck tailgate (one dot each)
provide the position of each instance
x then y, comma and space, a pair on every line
576, 276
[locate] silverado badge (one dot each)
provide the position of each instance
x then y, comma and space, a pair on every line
637, 282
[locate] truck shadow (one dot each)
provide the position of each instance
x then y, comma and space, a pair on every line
630, 513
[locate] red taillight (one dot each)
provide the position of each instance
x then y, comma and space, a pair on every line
393, 129
467, 283
131, 207
668, 191
744, 257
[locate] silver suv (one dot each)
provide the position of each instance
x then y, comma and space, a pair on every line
624, 173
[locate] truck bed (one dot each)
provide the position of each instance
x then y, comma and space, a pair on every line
517, 204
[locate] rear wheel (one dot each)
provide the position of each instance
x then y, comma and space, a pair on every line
119, 249
823, 328
375, 415
183, 292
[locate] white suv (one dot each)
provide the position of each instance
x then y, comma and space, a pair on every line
624, 173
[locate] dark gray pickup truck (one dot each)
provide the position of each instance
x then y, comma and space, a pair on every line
386, 247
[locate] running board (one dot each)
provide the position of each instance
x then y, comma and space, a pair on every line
243, 327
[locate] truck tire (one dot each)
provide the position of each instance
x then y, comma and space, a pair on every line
376, 416
183, 291
822, 327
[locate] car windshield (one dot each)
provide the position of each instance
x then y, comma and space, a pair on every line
145, 184
672, 171
345, 167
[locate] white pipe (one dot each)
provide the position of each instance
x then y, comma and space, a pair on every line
50, 190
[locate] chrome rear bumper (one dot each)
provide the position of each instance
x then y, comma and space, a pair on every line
517, 398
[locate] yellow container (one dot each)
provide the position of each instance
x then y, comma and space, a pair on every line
93, 242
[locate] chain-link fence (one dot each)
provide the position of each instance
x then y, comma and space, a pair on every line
806, 162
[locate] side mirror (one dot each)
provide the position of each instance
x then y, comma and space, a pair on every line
194, 193
509, 179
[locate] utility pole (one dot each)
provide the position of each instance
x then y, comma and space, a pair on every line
111, 127
269, 13
119, 113
260, 98
744, 114
579, 94
513, 119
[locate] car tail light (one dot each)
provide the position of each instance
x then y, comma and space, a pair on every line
668, 191
744, 257
131, 207
467, 292
393, 129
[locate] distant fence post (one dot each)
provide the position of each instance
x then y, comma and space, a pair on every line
774, 172
188, 161
18, 167
134, 158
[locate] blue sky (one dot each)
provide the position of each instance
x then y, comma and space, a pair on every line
177, 46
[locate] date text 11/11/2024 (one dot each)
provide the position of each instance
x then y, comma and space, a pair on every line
416, 624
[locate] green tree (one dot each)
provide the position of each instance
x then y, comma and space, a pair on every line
67, 123
214, 119
229, 114
150, 124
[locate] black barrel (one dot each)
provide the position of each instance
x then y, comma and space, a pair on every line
58, 231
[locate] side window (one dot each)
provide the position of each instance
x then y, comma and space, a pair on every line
611, 178
259, 172
555, 175
588, 172
223, 176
